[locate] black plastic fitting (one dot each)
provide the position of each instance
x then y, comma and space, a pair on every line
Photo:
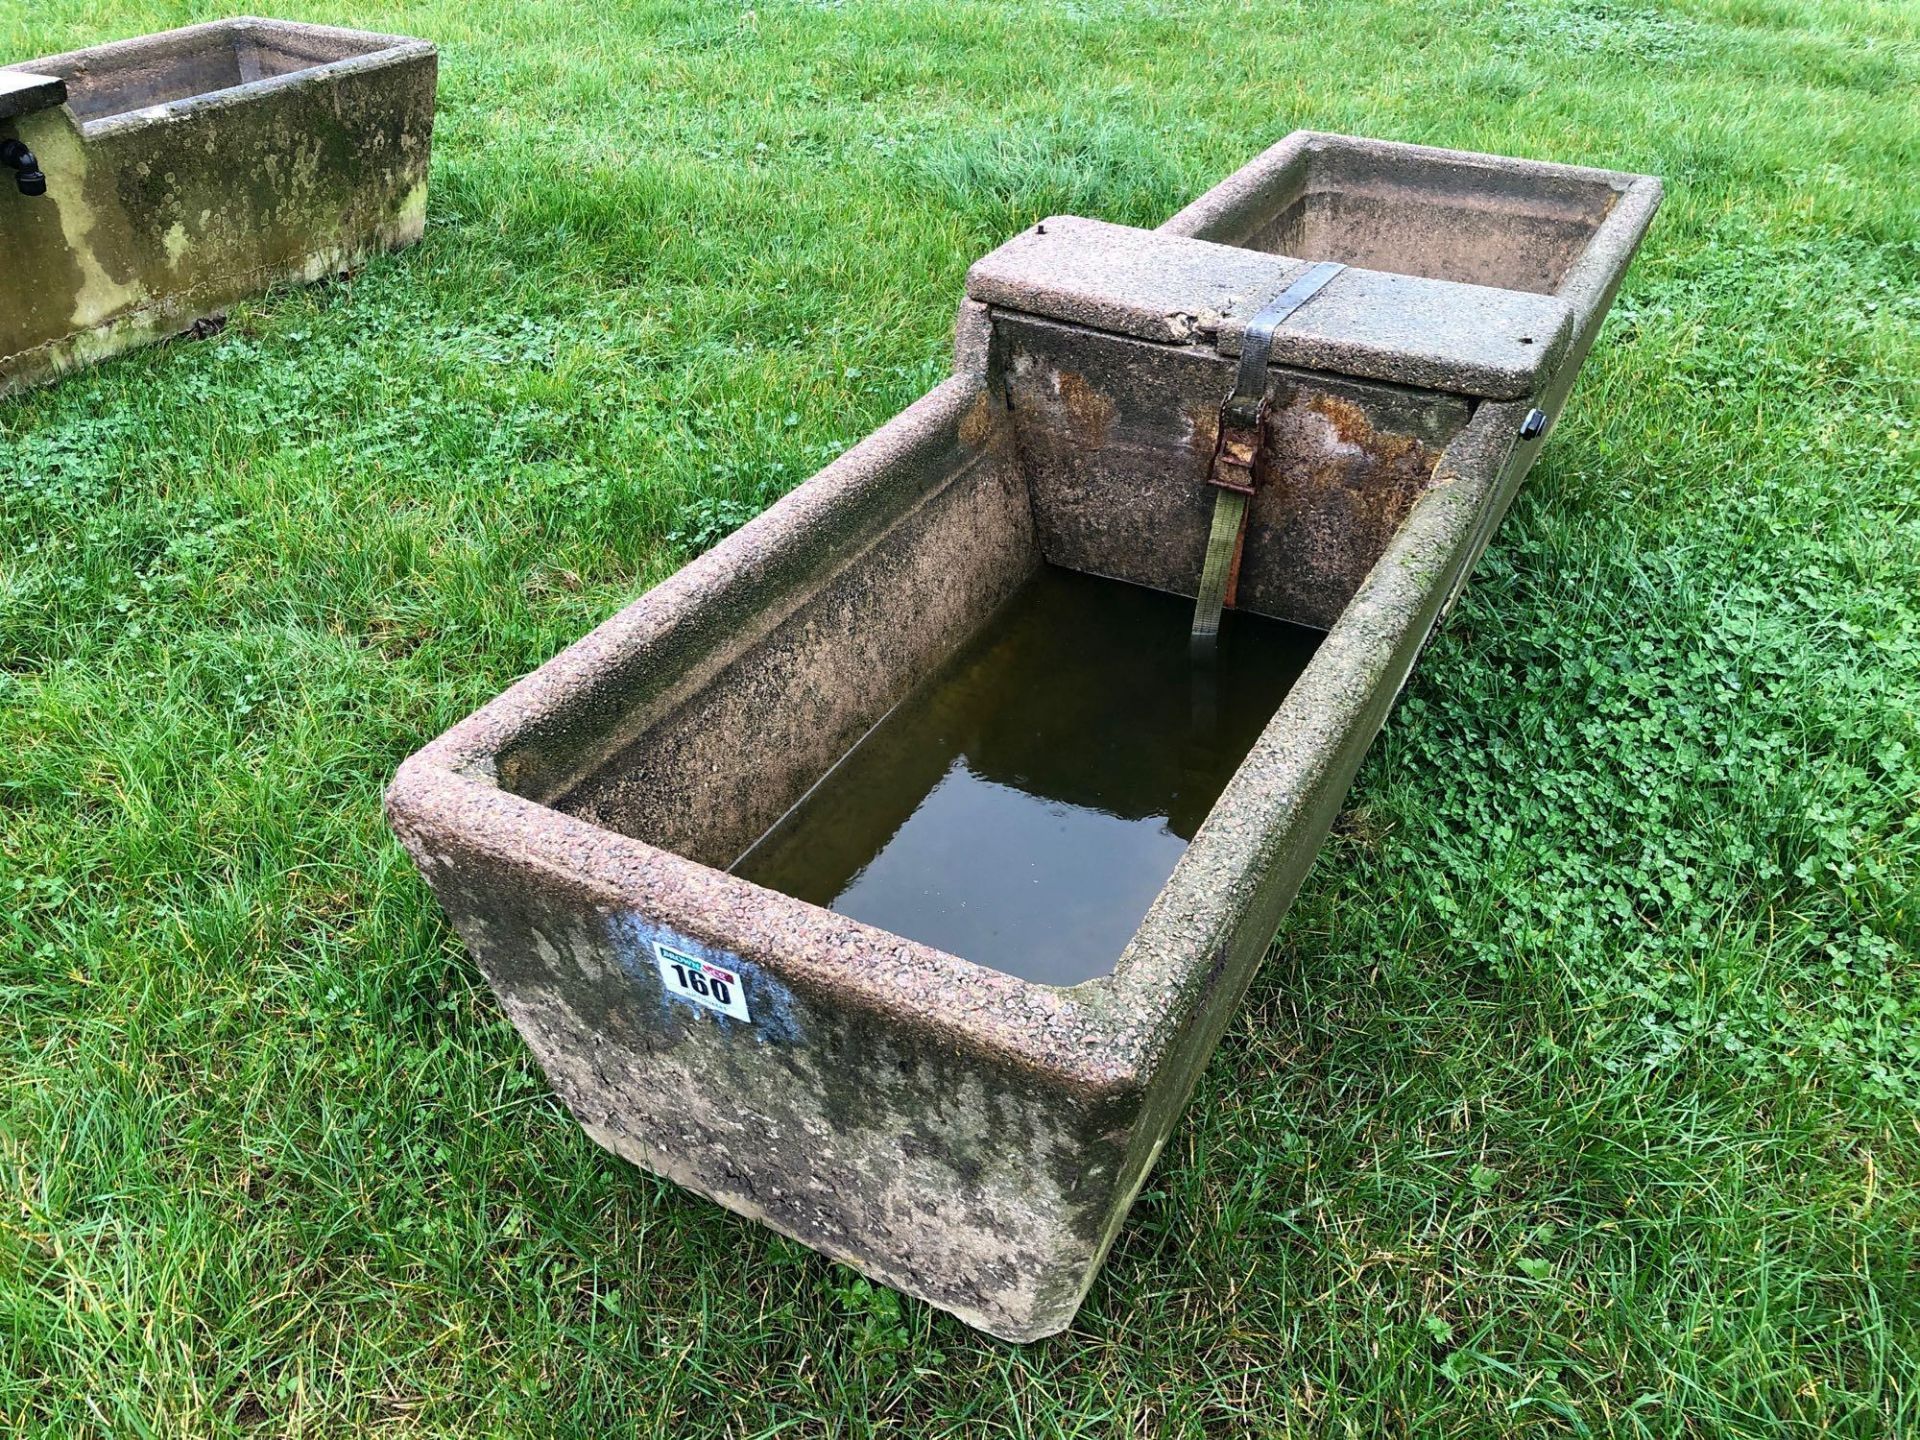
1534, 426
18, 158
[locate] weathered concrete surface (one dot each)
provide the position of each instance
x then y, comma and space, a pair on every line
1435, 334
22, 92
849, 1106
189, 170
970, 1137
1116, 438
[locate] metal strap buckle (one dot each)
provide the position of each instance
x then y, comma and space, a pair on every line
1243, 414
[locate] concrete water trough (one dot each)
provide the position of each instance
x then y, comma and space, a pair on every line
890, 872
149, 184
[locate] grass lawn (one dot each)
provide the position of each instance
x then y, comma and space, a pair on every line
1579, 1093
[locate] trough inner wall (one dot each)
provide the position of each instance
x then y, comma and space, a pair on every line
713, 774
1117, 437
1449, 219
1428, 236
1113, 440
116, 79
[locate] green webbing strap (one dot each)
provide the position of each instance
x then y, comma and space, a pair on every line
1236, 454
1229, 514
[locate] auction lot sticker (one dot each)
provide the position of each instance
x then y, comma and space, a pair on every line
701, 981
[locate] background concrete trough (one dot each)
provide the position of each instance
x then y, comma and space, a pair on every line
965, 1135
191, 169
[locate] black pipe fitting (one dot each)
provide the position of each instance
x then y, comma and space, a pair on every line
27, 176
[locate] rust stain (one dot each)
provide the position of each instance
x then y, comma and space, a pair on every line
1203, 430
976, 426
1379, 472
1338, 487
1089, 410
1352, 425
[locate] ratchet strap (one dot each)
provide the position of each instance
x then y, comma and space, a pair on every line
1237, 460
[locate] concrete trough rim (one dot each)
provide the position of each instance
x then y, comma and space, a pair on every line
23, 91
391, 50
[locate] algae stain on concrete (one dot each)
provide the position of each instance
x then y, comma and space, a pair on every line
100, 296
411, 221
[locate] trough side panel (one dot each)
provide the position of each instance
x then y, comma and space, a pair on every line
1117, 437
709, 778
556, 728
1590, 288
1213, 925
981, 1188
